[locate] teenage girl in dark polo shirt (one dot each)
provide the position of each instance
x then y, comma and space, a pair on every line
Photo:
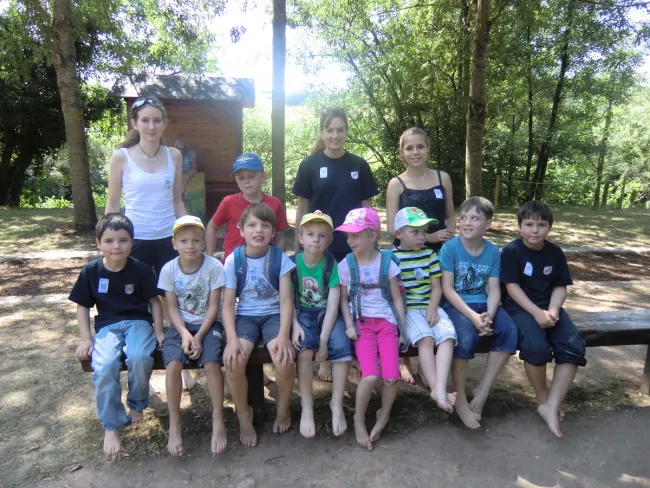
333, 180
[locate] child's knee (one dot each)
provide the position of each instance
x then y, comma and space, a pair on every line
390, 382
425, 342
103, 365
174, 368
212, 368
139, 358
536, 353
284, 370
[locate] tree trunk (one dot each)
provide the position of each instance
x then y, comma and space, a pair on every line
65, 63
603, 202
602, 151
622, 195
5, 170
277, 104
464, 55
529, 156
476, 108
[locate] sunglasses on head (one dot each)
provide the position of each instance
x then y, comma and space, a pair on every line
141, 101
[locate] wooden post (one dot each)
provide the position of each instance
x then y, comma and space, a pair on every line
622, 195
255, 375
645, 384
497, 184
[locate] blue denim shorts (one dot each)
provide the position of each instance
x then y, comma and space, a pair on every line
258, 330
339, 346
212, 345
504, 337
539, 346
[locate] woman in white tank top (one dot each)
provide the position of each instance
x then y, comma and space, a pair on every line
150, 174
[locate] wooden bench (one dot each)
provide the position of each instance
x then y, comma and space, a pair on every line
597, 329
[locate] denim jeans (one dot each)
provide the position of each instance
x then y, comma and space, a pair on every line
136, 339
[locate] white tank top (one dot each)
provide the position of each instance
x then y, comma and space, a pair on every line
149, 199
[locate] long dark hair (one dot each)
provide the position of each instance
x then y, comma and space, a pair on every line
326, 117
133, 136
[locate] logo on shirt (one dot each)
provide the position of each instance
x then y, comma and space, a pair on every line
354, 174
128, 289
168, 183
548, 270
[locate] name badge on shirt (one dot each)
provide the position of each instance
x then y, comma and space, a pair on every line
323, 172
438, 193
419, 274
180, 284
528, 269
103, 285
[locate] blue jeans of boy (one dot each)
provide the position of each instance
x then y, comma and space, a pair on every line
136, 339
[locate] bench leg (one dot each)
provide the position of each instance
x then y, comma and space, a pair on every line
645, 384
255, 375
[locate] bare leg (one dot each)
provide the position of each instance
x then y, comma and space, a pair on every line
305, 378
388, 395
112, 444
444, 355
136, 416
238, 386
174, 386
340, 378
325, 371
215, 387
495, 362
427, 364
537, 377
459, 368
406, 371
563, 376
285, 377
188, 380
364, 392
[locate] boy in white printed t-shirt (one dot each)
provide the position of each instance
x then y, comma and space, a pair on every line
193, 284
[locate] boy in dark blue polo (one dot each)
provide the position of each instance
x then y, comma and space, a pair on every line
122, 289
536, 275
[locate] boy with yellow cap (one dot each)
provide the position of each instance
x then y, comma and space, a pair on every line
193, 283
317, 325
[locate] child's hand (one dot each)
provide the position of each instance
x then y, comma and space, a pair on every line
84, 350
160, 337
283, 349
186, 343
196, 348
545, 319
555, 315
231, 354
321, 355
432, 316
351, 333
297, 334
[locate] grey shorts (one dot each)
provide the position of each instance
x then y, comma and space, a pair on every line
212, 345
418, 328
258, 330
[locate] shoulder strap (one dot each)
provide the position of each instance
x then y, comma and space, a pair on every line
401, 183
327, 272
275, 265
439, 178
294, 280
240, 267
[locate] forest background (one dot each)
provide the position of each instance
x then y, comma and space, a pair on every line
568, 106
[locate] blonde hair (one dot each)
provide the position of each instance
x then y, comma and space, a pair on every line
133, 136
326, 117
413, 131
482, 205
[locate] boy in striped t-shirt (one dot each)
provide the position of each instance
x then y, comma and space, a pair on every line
427, 323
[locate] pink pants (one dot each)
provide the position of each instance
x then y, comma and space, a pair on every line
378, 345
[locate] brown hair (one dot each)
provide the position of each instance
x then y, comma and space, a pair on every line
326, 117
482, 205
133, 136
413, 131
260, 211
535, 209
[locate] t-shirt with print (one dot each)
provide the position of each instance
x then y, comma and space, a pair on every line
192, 290
229, 212
471, 273
373, 304
416, 270
537, 272
258, 297
335, 186
118, 295
309, 282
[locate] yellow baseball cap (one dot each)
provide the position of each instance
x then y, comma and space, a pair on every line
185, 221
317, 216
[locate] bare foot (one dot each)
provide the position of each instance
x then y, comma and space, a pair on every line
382, 420
551, 417
406, 374
112, 444
188, 380
325, 371
219, 439
247, 434
469, 418
444, 400
478, 402
361, 433
541, 400
136, 417
282, 421
307, 425
175, 442
339, 424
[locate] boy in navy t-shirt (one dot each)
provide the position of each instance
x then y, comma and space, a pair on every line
536, 275
122, 288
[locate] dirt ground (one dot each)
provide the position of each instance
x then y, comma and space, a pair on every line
49, 435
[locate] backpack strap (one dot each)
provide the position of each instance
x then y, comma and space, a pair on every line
327, 272
384, 282
240, 267
275, 265
294, 280
355, 296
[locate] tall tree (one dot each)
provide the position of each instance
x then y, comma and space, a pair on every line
278, 97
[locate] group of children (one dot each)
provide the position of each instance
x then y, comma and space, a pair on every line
372, 305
